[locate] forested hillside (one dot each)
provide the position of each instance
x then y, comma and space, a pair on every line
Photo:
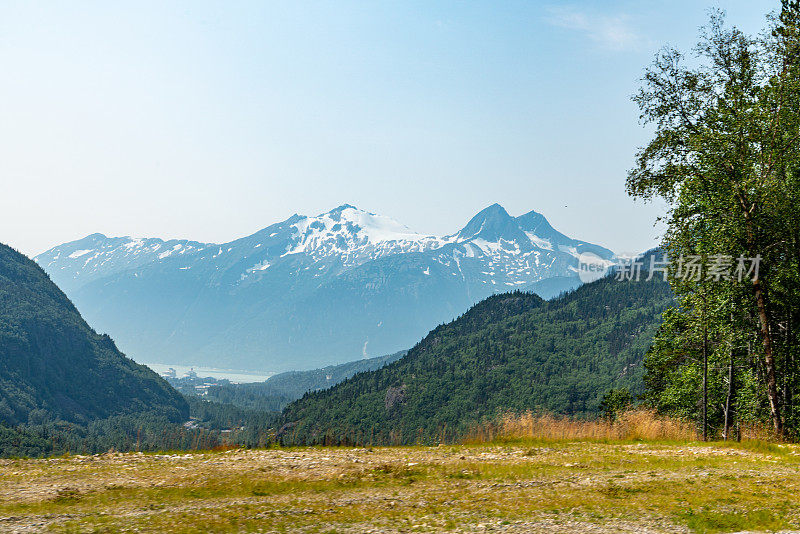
513, 352
54, 367
279, 390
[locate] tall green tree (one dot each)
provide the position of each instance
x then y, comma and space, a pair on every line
724, 156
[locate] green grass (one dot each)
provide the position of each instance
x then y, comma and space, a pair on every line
720, 521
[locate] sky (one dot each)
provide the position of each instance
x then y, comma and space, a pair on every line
211, 120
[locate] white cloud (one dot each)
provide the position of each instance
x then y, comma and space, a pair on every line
611, 32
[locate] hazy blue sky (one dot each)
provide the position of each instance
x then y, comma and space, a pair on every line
211, 120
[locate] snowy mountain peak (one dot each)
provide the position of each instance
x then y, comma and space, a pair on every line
342, 208
491, 224
376, 228
94, 256
342, 238
355, 236
537, 223
493, 213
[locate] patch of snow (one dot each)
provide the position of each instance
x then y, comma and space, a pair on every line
169, 252
539, 242
79, 253
487, 247
262, 266
572, 251
134, 243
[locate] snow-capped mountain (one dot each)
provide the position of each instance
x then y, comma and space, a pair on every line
308, 291
79, 262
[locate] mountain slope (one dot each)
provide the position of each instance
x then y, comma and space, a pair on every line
54, 366
281, 389
512, 351
294, 384
309, 291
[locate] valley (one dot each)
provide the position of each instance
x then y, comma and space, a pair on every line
306, 292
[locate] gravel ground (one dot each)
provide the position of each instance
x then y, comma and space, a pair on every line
552, 488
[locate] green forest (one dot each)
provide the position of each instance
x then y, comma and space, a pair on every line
54, 366
725, 157
510, 352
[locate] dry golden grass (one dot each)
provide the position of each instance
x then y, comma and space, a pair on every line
636, 424
755, 431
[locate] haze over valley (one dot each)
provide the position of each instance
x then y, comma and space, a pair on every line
308, 291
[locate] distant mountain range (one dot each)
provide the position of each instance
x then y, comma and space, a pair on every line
309, 291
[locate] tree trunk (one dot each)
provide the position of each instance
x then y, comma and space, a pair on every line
766, 335
705, 380
727, 426
769, 357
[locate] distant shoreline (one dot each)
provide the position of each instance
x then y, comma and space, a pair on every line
234, 375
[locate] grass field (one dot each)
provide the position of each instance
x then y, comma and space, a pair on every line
524, 486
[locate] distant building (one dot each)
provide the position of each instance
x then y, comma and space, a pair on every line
202, 389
